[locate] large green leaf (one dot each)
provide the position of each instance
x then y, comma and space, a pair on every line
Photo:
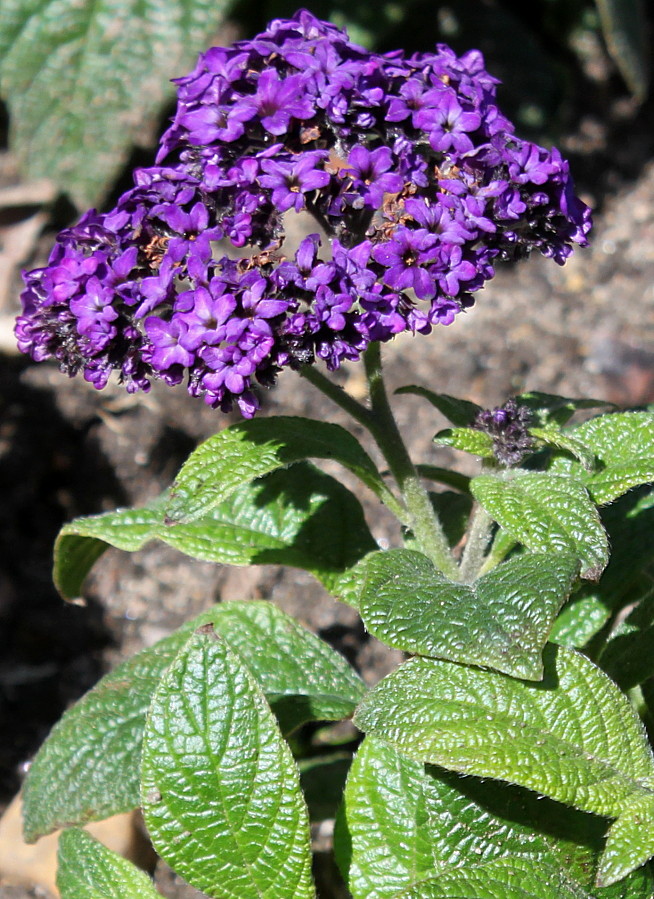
85, 80
88, 870
220, 790
296, 516
574, 737
502, 621
87, 769
250, 449
623, 443
402, 824
547, 513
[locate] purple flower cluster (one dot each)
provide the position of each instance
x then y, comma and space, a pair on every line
508, 426
414, 179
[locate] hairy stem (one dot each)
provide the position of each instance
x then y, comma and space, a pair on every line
474, 553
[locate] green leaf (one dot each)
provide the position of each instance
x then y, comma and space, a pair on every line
453, 510
402, 824
250, 449
623, 443
468, 440
625, 27
549, 409
297, 516
580, 620
554, 437
220, 790
87, 769
303, 678
628, 657
323, 780
454, 479
88, 870
573, 737
502, 621
547, 513
460, 412
85, 80
629, 843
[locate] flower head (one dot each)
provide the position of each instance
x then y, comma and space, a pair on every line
416, 181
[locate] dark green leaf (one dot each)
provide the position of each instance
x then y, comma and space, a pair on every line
460, 412
547, 513
590, 752
296, 516
220, 790
250, 449
623, 443
322, 780
468, 440
625, 27
502, 621
549, 409
454, 479
85, 80
87, 769
88, 870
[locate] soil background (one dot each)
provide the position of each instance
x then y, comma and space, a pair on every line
586, 329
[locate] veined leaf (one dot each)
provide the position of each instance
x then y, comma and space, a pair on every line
83, 80
623, 443
547, 513
87, 769
590, 753
629, 842
220, 790
407, 827
501, 621
296, 516
250, 449
468, 440
88, 870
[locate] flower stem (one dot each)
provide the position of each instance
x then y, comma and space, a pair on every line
425, 524
474, 552
364, 416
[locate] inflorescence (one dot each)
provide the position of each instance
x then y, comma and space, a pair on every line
415, 181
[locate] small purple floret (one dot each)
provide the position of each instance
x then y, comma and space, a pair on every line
415, 179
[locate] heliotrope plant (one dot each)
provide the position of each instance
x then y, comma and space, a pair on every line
530, 644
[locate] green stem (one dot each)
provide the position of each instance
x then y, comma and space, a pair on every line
476, 545
359, 413
425, 524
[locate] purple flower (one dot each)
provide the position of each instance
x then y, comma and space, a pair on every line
413, 175
405, 257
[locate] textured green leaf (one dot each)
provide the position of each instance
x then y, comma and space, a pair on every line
402, 824
579, 621
547, 513
629, 843
562, 440
468, 440
625, 27
88, 870
460, 412
623, 443
297, 516
502, 621
220, 790
250, 449
87, 769
573, 737
84, 80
